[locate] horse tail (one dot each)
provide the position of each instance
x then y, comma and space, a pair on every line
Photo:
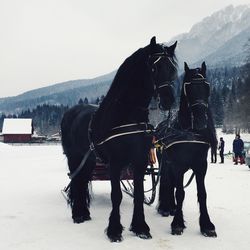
66, 125
74, 128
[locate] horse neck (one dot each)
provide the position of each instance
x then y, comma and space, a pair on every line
184, 122
184, 114
127, 99
129, 89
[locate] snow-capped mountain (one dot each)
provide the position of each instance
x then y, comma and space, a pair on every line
232, 53
214, 32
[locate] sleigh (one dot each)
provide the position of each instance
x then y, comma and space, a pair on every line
151, 178
101, 173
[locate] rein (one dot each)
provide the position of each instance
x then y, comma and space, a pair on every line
118, 131
76, 172
166, 84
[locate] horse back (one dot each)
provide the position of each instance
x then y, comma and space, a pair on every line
74, 128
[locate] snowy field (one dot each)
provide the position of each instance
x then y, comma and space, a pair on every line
34, 215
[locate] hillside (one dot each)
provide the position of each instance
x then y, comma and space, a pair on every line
66, 93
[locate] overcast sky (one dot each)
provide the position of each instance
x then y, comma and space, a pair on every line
49, 41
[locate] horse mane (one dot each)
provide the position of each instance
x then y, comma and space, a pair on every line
129, 75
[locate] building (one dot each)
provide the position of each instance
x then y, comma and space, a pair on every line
17, 130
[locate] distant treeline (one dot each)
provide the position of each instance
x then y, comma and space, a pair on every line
229, 100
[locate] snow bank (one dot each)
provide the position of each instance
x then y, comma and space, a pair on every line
34, 215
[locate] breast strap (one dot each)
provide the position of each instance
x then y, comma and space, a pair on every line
127, 129
171, 136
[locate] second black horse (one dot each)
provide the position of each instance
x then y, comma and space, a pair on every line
185, 146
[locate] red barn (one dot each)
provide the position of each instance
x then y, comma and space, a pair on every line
17, 130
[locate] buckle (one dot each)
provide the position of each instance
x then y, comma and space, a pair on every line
92, 146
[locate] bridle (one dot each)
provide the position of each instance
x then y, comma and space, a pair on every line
197, 102
194, 81
154, 70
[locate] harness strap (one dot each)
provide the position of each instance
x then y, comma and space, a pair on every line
128, 129
178, 142
165, 84
116, 131
167, 137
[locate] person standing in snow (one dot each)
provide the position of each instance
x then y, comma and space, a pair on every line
221, 149
238, 146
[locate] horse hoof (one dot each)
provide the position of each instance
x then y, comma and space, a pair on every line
81, 219
209, 233
115, 238
144, 236
177, 231
163, 213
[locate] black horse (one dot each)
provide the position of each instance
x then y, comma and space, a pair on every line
119, 133
185, 146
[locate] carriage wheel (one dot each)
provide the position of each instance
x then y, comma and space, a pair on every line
150, 182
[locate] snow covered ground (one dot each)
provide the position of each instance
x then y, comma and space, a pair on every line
34, 215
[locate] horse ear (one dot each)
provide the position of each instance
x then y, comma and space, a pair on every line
153, 41
186, 67
203, 68
171, 49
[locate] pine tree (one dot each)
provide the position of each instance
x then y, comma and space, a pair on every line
86, 101
80, 101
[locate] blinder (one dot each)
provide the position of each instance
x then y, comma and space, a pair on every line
197, 91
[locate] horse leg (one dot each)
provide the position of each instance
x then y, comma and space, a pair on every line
115, 228
138, 224
167, 204
177, 224
79, 192
206, 226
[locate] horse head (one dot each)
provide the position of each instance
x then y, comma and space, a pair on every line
163, 69
196, 91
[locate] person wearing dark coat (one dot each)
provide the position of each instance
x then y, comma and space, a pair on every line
221, 149
238, 147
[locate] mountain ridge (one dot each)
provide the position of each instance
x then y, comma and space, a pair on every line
210, 34
218, 39
60, 87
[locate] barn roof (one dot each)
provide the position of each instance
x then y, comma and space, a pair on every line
17, 126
